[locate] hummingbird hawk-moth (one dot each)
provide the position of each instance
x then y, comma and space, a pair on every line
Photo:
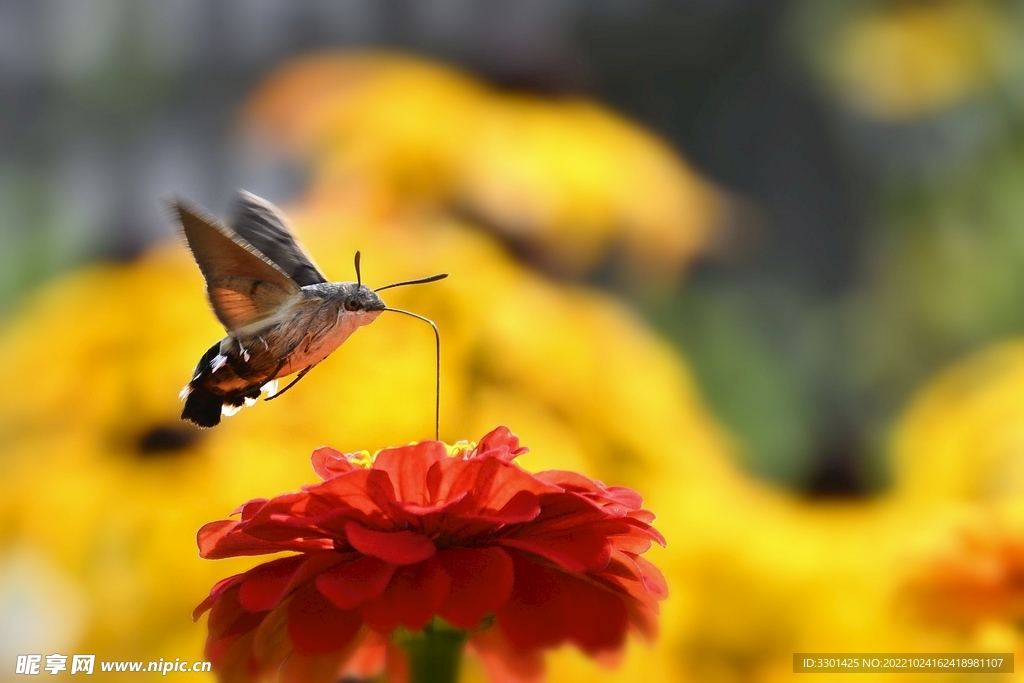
281, 313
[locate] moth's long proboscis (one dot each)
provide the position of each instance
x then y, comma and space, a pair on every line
420, 281
437, 365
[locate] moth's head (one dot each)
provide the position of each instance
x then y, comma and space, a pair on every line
357, 298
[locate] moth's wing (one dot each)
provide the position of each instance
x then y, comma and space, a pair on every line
262, 225
245, 288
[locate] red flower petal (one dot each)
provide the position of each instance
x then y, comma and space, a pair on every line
396, 547
315, 564
501, 443
352, 584
271, 645
218, 589
247, 510
643, 617
397, 664
627, 497
328, 463
368, 661
595, 617
411, 599
642, 528
288, 504
632, 544
524, 506
429, 518
264, 586
570, 532
491, 483
654, 580
407, 467
457, 524
233, 654
315, 626
269, 530
228, 618
237, 543
548, 607
531, 618
361, 490
481, 580
572, 481
503, 662
210, 535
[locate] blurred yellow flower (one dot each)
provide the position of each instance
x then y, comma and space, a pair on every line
565, 180
904, 60
962, 438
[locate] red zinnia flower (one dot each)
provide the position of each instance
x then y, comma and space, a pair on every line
462, 533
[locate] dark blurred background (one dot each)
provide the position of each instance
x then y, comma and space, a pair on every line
871, 151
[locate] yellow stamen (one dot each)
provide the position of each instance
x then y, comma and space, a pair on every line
362, 459
460, 448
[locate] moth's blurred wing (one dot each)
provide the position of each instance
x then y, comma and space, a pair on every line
262, 225
245, 288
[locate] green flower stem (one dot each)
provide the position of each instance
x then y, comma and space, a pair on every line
434, 654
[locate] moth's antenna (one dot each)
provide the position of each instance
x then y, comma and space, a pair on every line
359, 278
420, 281
437, 365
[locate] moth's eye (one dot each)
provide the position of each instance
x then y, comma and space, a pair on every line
351, 305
